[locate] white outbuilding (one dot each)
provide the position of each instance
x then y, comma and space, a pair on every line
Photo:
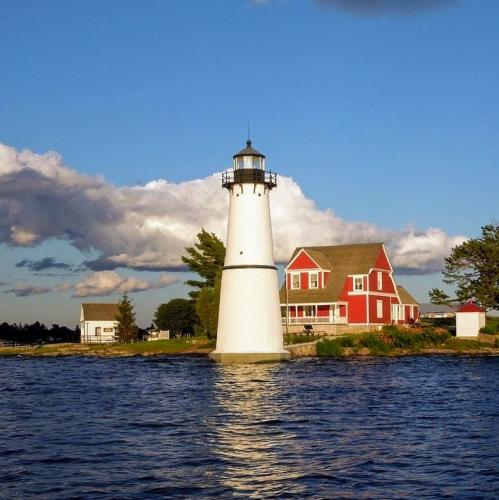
98, 323
156, 334
469, 319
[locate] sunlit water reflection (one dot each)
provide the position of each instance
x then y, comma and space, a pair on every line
184, 427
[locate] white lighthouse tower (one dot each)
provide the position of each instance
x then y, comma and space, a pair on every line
249, 321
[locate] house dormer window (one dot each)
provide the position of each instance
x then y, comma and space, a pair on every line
295, 281
358, 283
314, 280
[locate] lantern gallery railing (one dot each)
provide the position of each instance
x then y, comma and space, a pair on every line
249, 175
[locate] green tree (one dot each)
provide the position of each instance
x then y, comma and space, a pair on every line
206, 258
473, 267
207, 307
126, 329
439, 297
178, 315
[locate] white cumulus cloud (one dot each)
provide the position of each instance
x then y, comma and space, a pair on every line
148, 227
109, 282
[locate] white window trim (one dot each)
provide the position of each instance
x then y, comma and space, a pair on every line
292, 287
394, 312
379, 309
380, 280
361, 277
398, 312
310, 280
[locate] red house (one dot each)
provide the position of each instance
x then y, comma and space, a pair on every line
344, 284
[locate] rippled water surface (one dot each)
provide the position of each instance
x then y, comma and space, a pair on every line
185, 427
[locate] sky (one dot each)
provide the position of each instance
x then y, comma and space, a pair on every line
117, 117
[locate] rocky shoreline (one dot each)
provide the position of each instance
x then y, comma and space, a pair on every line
306, 350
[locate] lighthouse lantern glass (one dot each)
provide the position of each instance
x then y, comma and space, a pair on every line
249, 161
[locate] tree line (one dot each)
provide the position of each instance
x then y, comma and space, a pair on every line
37, 332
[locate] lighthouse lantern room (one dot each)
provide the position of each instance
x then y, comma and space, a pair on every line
249, 321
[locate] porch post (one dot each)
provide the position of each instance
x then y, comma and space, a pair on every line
287, 305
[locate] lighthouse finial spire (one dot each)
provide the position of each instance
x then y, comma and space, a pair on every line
248, 141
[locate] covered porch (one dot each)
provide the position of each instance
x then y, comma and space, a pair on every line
335, 313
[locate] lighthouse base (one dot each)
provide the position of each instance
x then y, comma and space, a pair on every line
249, 357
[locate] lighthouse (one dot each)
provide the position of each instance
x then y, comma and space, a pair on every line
249, 320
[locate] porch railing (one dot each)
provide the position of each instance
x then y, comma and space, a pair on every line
337, 320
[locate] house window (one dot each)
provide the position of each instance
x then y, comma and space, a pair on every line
358, 283
295, 280
108, 330
308, 311
380, 280
395, 312
314, 280
98, 330
379, 308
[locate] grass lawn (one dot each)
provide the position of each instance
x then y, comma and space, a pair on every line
299, 338
157, 347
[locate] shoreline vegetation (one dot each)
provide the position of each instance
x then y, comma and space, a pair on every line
396, 341
389, 341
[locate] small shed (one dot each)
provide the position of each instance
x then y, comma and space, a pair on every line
469, 319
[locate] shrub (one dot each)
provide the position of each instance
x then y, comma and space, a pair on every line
490, 329
493, 322
331, 348
200, 332
346, 341
403, 339
433, 337
374, 343
390, 328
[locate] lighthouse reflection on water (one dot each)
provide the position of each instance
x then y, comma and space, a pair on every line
250, 438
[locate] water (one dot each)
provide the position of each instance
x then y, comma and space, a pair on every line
185, 427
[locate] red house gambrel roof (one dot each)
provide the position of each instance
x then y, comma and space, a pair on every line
469, 307
342, 261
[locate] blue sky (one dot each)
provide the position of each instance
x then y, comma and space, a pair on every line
385, 117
